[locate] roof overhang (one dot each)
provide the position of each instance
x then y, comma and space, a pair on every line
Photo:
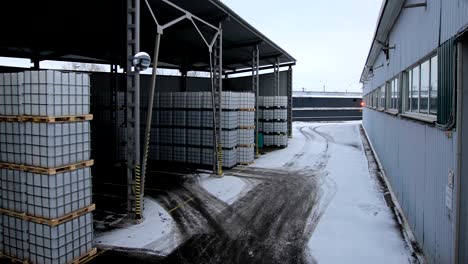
95, 31
389, 13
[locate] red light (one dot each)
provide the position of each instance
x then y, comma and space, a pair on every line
363, 104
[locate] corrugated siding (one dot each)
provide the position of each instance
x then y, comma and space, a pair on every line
416, 35
446, 82
416, 158
454, 17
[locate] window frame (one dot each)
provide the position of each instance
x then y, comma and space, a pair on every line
407, 85
376, 98
393, 101
381, 97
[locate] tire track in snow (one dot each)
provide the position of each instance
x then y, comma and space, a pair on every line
271, 223
307, 145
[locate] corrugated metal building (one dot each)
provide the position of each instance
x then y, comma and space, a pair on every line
326, 106
414, 80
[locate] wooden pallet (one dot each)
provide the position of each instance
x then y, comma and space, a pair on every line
247, 109
47, 171
9, 119
273, 107
10, 259
50, 222
247, 127
276, 146
275, 133
47, 119
274, 120
86, 257
246, 163
246, 146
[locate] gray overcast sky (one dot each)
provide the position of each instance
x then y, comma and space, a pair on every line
330, 39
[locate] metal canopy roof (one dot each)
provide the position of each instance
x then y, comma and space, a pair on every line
95, 31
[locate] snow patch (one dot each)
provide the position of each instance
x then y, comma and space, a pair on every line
157, 232
227, 189
357, 223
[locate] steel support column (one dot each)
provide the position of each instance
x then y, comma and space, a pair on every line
290, 87
277, 77
214, 46
132, 104
36, 64
115, 109
184, 76
256, 90
217, 75
184, 81
140, 183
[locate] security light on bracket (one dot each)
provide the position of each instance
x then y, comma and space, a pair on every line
141, 61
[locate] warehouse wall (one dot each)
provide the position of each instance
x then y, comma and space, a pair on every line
326, 108
299, 102
463, 230
196, 84
266, 83
416, 35
326, 115
416, 158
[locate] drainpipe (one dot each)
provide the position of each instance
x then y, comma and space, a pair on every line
459, 84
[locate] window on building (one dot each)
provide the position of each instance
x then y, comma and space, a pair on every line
414, 90
422, 88
433, 88
376, 98
381, 97
393, 95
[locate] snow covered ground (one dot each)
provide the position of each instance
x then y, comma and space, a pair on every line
157, 233
350, 224
355, 226
227, 189
357, 222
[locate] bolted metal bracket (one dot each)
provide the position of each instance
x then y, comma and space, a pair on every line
423, 4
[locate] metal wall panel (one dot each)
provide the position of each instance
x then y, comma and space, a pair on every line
242, 84
446, 84
416, 34
299, 102
454, 17
416, 158
463, 136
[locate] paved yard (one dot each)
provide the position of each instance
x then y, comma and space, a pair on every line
313, 202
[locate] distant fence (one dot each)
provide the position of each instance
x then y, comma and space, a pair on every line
327, 108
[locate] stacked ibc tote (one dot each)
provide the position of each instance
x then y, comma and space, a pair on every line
246, 147
45, 175
273, 122
184, 128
